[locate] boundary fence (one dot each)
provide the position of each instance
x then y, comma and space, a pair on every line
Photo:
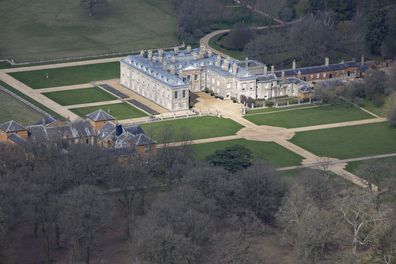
24, 101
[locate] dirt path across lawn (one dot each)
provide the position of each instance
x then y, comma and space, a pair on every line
279, 135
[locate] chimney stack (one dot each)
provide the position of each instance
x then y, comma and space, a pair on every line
265, 70
226, 64
342, 62
210, 53
294, 65
283, 74
218, 61
176, 49
173, 59
327, 61
234, 68
161, 55
246, 62
202, 51
188, 49
150, 55
362, 61
299, 74
272, 68
142, 53
172, 70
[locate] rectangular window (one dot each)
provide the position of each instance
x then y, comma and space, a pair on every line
184, 93
195, 77
176, 95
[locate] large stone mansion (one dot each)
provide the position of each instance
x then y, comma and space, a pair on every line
166, 78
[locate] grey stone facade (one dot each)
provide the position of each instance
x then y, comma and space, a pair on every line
166, 78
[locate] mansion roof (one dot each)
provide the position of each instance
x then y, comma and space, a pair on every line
323, 68
177, 62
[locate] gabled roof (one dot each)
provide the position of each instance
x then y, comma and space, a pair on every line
100, 115
144, 140
11, 126
134, 129
45, 121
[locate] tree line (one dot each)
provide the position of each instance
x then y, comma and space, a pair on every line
174, 209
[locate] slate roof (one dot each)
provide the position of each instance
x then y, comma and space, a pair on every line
83, 128
131, 136
108, 129
322, 68
11, 126
45, 121
100, 115
134, 129
37, 132
143, 139
18, 140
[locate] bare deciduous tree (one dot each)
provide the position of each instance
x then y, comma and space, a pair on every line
359, 212
85, 212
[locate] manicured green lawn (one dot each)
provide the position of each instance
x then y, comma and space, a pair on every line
69, 75
30, 100
268, 151
196, 127
281, 109
13, 109
310, 117
349, 142
119, 111
80, 96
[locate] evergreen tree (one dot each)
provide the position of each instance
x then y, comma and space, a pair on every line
344, 9
315, 6
377, 27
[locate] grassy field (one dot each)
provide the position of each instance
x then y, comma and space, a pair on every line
281, 109
80, 96
13, 109
268, 151
196, 127
349, 142
367, 104
30, 100
119, 111
48, 29
309, 117
69, 75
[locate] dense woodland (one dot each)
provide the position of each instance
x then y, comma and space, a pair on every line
336, 28
68, 201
